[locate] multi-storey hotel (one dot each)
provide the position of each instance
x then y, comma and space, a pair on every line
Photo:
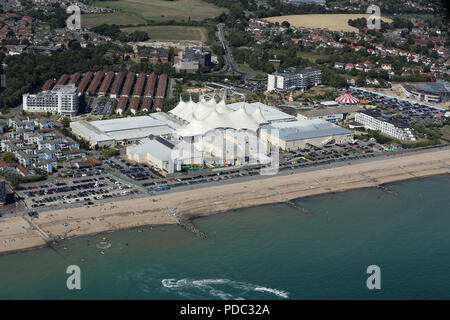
61, 99
294, 79
374, 120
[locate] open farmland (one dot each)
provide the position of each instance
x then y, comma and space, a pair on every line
119, 18
171, 32
139, 11
333, 22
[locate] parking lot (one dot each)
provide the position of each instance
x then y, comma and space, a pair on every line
336, 151
86, 190
98, 107
138, 172
403, 112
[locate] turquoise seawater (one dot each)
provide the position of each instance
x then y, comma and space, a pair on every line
269, 252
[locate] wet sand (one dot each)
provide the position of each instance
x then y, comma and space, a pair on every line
24, 233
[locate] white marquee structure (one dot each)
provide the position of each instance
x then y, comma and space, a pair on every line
204, 116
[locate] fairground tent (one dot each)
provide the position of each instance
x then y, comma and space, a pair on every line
347, 98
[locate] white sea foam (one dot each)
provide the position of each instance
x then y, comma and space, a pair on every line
104, 245
210, 286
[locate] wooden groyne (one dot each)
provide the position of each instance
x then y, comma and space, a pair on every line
292, 204
190, 227
187, 224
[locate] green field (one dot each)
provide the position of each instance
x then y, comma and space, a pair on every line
139, 11
445, 130
119, 18
171, 32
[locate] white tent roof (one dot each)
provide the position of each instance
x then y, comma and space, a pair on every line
204, 116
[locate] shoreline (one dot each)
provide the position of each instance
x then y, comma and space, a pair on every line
22, 233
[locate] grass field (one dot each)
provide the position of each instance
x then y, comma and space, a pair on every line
445, 130
138, 11
171, 32
311, 55
119, 18
334, 22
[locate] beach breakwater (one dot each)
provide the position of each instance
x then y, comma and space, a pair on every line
16, 234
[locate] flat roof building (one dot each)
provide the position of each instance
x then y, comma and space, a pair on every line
375, 120
295, 135
432, 92
331, 114
122, 130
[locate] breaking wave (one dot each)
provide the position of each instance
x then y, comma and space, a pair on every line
211, 286
103, 245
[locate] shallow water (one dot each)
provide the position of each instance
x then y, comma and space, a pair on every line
321, 251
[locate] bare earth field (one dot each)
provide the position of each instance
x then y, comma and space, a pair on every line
333, 22
171, 32
138, 11
17, 233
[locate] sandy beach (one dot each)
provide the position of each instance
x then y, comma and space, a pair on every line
23, 233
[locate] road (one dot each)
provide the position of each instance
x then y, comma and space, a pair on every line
229, 64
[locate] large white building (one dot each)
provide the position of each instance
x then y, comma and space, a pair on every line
164, 154
123, 130
210, 133
431, 92
294, 79
61, 99
373, 120
204, 116
295, 135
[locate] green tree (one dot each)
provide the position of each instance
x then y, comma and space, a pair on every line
9, 157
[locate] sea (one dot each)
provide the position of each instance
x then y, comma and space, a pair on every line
316, 248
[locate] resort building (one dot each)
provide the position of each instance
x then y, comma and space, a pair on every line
431, 92
294, 79
123, 130
374, 120
295, 135
164, 154
330, 114
61, 99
